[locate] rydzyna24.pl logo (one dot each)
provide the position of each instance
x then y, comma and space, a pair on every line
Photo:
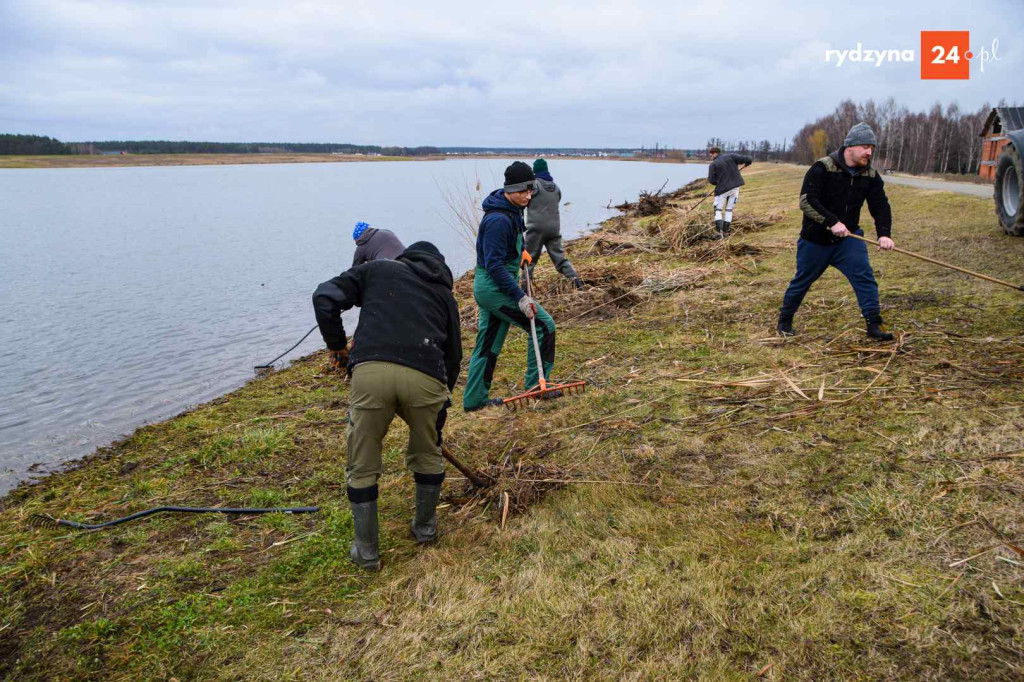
945, 55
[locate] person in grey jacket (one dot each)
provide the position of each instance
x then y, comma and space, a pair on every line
374, 244
543, 225
724, 174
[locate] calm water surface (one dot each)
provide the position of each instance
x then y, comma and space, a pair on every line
130, 294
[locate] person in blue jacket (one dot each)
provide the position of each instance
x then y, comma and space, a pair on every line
499, 248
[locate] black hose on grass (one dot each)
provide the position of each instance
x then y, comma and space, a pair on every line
47, 521
270, 365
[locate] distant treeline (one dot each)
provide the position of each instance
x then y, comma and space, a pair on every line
177, 147
32, 144
538, 151
943, 140
761, 150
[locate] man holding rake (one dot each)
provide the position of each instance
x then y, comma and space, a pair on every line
834, 190
502, 303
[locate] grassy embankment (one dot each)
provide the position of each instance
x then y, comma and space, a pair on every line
117, 160
818, 508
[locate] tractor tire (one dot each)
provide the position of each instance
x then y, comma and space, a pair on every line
1009, 191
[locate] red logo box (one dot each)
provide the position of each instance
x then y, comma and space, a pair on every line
945, 55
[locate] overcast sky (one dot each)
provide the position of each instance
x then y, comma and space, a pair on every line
454, 73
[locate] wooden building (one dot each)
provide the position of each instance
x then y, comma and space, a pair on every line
1001, 121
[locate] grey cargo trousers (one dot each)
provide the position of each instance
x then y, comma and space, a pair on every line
535, 240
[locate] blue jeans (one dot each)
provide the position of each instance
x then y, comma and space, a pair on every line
849, 257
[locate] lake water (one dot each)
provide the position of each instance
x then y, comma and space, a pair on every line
130, 294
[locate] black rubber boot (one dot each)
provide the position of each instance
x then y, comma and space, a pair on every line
551, 395
424, 523
725, 228
877, 330
365, 551
720, 229
577, 283
785, 326
490, 402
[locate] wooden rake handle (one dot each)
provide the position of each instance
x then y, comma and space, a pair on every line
945, 265
533, 324
466, 471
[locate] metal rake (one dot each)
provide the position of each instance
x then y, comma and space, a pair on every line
543, 390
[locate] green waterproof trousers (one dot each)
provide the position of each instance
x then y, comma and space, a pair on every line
378, 391
497, 312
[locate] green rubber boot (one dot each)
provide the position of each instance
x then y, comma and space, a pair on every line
424, 523
365, 551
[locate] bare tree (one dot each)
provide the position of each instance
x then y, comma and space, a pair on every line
939, 141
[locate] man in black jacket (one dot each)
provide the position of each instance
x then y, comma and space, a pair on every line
405, 361
724, 174
834, 189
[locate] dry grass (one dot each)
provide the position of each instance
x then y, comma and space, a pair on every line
722, 504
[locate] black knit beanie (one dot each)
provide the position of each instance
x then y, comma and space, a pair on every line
517, 176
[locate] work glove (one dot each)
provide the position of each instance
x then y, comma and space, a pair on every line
337, 360
528, 306
526, 269
525, 260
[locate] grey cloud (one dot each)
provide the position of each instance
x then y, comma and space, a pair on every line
575, 73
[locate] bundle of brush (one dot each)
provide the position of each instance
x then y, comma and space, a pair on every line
651, 204
608, 292
722, 249
544, 390
512, 488
683, 229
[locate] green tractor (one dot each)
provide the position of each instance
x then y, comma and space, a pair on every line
1009, 184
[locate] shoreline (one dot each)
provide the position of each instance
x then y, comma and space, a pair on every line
149, 160
152, 160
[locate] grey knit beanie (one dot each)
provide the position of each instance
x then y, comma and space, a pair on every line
860, 134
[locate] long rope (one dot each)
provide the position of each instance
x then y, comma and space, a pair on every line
44, 520
271, 363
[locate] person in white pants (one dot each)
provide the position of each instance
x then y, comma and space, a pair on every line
724, 174
724, 204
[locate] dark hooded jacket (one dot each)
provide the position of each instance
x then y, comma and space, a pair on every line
497, 242
374, 244
832, 192
542, 211
724, 171
408, 314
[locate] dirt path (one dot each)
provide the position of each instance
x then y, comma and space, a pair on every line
925, 183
